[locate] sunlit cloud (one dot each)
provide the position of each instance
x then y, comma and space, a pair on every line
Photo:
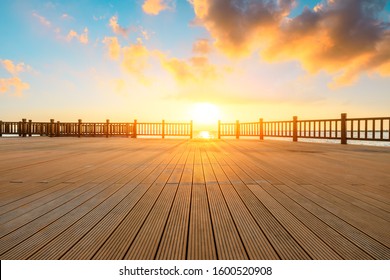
202, 46
14, 69
14, 86
238, 26
116, 28
197, 68
114, 48
135, 61
42, 19
154, 7
82, 38
342, 37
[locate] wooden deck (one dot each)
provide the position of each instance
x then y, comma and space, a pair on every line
118, 198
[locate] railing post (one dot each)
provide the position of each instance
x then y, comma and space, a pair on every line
295, 128
163, 129
24, 127
79, 128
237, 129
108, 128
343, 128
261, 129
29, 128
51, 130
219, 129
1, 128
58, 134
134, 129
191, 131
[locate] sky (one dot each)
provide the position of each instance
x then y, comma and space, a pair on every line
199, 60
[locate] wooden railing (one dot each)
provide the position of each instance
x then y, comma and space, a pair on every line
343, 129
78, 129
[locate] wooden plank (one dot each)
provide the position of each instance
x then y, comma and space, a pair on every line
227, 239
173, 245
201, 244
116, 246
60, 245
272, 237
363, 241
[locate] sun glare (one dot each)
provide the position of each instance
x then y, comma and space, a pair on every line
204, 135
205, 113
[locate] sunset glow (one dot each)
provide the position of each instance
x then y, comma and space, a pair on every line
205, 113
193, 60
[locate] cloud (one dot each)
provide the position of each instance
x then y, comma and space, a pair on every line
82, 38
116, 28
196, 69
42, 19
154, 7
135, 61
202, 46
15, 86
238, 25
342, 37
114, 48
14, 69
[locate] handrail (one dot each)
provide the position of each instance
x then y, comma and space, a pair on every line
343, 129
78, 129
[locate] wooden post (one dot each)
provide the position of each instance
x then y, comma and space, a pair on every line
108, 128
237, 129
127, 130
261, 129
295, 128
344, 128
58, 134
29, 128
51, 133
163, 129
79, 130
219, 129
134, 129
24, 127
191, 131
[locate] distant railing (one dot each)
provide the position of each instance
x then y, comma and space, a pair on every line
343, 129
78, 129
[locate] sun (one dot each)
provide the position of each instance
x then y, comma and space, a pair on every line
205, 113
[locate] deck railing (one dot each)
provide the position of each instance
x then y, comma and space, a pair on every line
343, 129
78, 129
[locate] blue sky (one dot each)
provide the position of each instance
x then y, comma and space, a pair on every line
160, 59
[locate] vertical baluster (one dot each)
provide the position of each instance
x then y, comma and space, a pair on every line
295, 128
343, 128
381, 132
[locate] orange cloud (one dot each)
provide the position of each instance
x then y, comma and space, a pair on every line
202, 46
135, 60
13, 85
82, 38
154, 7
114, 48
14, 69
196, 69
343, 37
116, 28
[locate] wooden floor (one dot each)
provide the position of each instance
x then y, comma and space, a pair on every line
119, 198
